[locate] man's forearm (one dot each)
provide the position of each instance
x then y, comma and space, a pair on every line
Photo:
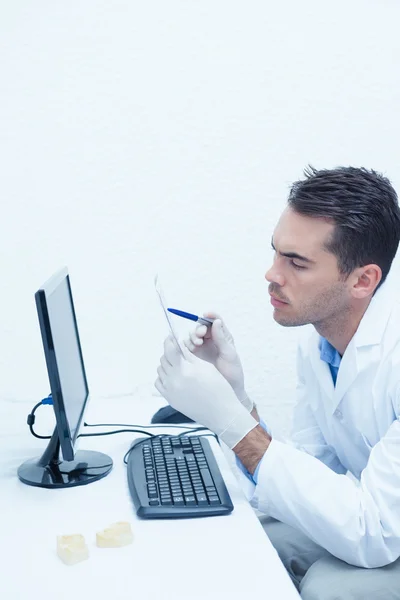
252, 447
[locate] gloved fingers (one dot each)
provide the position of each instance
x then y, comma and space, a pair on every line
189, 344
165, 365
162, 376
211, 314
187, 355
220, 334
171, 351
198, 334
159, 386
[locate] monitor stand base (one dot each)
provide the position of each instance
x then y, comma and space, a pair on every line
49, 471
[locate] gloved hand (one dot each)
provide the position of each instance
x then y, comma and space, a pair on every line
215, 345
195, 388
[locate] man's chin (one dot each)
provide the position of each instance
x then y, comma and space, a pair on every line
287, 321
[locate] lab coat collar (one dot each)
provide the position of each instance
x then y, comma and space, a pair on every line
355, 359
373, 324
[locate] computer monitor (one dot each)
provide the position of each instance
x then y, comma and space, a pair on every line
69, 390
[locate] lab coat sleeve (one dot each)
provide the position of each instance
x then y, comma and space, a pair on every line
358, 524
302, 483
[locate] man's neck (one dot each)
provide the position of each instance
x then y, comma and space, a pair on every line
340, 330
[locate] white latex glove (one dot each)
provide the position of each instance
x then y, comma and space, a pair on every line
195, 388
215, 345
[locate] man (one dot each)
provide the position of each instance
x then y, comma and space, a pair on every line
338, 536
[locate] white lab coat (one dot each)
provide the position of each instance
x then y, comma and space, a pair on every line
352, 427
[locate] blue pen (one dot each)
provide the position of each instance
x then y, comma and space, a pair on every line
186, 315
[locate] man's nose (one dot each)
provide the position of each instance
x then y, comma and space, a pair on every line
274, 276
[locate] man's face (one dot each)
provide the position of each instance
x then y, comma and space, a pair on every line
305, 276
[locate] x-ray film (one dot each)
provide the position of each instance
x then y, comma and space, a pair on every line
164, 306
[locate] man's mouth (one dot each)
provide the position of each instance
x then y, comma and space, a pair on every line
277, 302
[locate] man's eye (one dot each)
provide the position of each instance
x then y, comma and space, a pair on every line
296, 266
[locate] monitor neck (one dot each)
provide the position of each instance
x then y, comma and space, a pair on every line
51, 456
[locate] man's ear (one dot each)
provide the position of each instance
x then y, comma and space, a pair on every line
366, 280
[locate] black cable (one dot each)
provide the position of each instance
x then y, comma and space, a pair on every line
117, 431
189, 428
31, 420
194, 430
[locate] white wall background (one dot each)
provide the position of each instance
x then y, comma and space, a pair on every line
139, 137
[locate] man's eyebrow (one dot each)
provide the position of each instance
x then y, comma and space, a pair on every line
293, 254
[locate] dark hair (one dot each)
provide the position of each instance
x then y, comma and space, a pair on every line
364, 208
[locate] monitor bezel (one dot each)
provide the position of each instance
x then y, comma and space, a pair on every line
67, 442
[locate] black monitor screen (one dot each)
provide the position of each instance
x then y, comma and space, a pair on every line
64, 357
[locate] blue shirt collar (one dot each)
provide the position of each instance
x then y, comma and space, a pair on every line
328, 353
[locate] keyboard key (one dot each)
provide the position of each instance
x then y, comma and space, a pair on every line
206, 475
214, 500
178, 500
190, 500
154, 503
166, 502
201, 499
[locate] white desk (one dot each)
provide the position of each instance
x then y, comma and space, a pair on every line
218, 557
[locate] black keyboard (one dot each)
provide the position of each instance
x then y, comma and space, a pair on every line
176, 477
